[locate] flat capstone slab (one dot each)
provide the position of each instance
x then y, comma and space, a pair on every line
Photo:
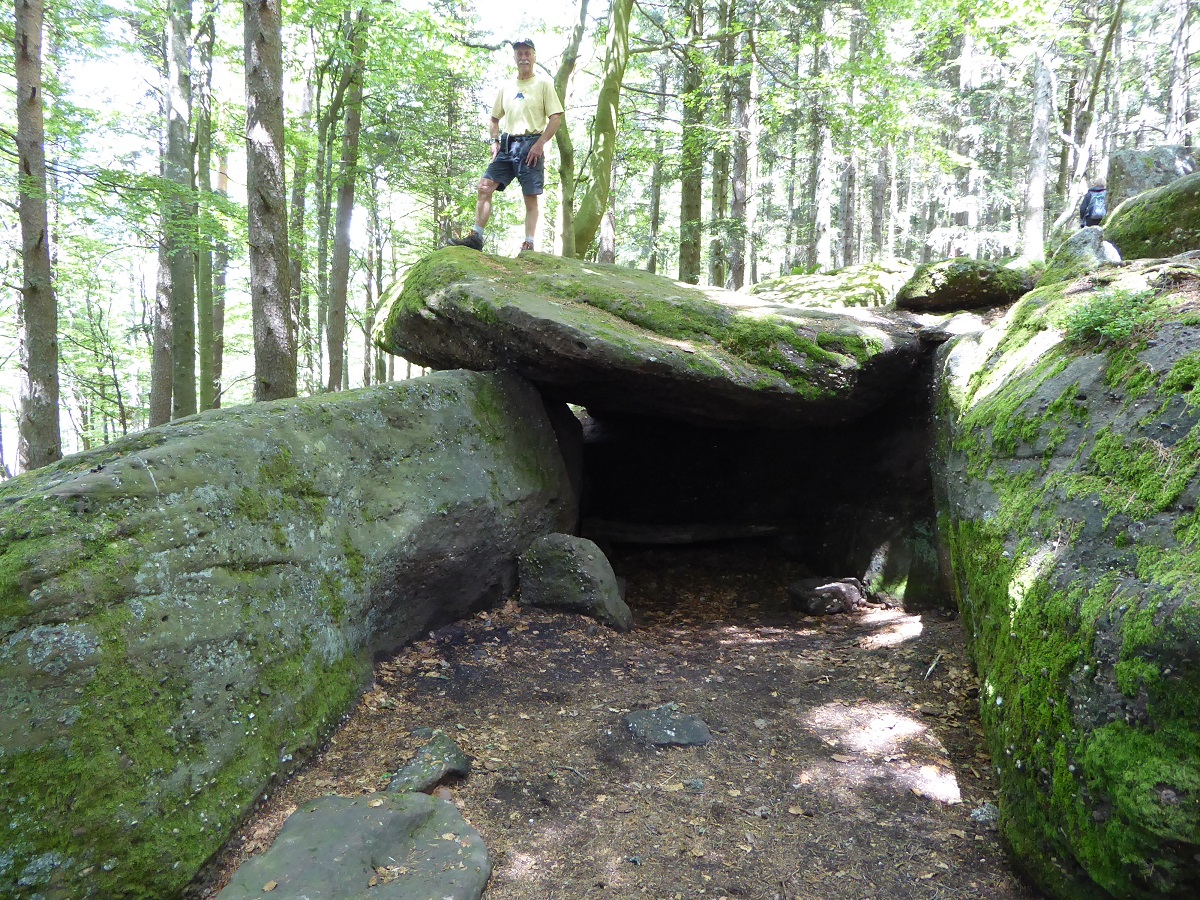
375, 847
665, 726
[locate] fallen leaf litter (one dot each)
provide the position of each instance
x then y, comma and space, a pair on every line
846, 762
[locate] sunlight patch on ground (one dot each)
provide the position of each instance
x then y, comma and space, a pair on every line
900, 627
868, 728
934, 782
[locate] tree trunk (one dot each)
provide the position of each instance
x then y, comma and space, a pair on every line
821, 206
1087, 126
695, 146
1033, 247
741, 163
297, 246
606, 251
753, 179
656, 170
718, 247
274, 334
1177, 86
220, 267
206, 36
179, 220
604, 128
847, 211
160, 359
347, 177
39, 441
562, 139
879, 188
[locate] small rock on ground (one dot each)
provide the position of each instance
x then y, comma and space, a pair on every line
433, 762
665, 726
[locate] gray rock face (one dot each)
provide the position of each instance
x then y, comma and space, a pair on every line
827, 596
186, 612
1067, 480
868, 284
375, 847
1085, 251
1132, 171
436, 760
961, 283
560, 571
617, 340
666, 726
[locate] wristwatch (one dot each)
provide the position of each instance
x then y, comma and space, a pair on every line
493, 140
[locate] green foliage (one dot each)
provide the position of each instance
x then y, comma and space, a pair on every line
1109, 317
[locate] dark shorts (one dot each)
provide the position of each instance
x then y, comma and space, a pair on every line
510, 164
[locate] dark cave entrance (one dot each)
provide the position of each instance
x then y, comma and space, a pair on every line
854, 499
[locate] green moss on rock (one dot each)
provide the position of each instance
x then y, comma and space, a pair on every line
1157, 223
1066, 513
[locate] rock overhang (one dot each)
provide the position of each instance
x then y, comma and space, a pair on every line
622, 341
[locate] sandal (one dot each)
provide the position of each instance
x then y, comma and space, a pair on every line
526, 245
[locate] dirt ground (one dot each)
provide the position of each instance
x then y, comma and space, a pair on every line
846, 762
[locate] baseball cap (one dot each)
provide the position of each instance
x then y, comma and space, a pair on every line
523, 42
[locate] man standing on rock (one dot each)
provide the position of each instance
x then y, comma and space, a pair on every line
530, 111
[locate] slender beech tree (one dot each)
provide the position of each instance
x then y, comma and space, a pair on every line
656, 170
274, 332
179, 218
604, 127
1033, 232
562, 138
718, 246
695, 143
1177, 79
347, 178
205, 38
160, 357
220, 267
39, 442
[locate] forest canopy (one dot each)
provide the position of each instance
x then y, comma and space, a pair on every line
227, 190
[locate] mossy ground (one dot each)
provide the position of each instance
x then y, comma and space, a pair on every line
1091, 691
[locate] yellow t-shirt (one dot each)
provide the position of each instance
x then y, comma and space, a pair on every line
524, 107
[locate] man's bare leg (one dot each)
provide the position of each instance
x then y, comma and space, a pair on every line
531, 220
483, 205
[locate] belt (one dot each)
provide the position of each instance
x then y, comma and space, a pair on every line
521, 137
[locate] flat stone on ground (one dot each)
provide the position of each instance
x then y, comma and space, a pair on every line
666, 726
378, 846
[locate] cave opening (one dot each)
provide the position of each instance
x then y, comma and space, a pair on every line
850, 500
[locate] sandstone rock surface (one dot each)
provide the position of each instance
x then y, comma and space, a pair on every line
187, 611
619, 340
1132, 171
957, 284
374, 847
867, 284
1068, 475
561, 571
1161, 222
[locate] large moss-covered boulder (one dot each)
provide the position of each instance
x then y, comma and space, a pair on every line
1158, 223
1067, 480
1132, 171
868, 284
186, 612
950, 285
619, 340
1085, 251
